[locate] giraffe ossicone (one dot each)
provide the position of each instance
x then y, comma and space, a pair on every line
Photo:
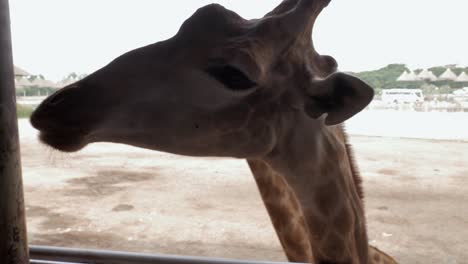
252, 89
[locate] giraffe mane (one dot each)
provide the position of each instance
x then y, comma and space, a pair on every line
352, 162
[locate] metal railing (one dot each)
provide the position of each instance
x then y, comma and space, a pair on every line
57, 255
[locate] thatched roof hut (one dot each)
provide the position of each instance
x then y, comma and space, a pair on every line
463, 77
448, 75
408, 77
22, 82
20, 72
427, 75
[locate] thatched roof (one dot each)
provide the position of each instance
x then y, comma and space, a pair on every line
39, 82
427, 75
448, 75
20, 72
463, 77
22, 82
403, 76
408, 77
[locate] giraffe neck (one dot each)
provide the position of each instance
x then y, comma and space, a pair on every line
286, 213
319, 177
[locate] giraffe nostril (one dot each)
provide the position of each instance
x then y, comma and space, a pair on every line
59, 96
54, 99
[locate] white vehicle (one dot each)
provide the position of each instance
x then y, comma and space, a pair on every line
461, 96
408, 96
463, 91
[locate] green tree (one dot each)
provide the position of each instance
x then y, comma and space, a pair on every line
438, 70
72, 75
386, 77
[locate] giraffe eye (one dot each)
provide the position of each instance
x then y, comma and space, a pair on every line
231, 77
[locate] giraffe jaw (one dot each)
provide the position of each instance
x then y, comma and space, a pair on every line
65, 142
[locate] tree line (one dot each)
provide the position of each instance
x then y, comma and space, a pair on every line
386, 78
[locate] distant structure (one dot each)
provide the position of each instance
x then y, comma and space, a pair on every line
408, 77
24, 79
41, 82
72, 78
427, 75
448, 75
20, 73
403, 76
21, 78
463, 77
22, 82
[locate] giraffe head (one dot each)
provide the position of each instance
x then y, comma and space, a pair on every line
222, 86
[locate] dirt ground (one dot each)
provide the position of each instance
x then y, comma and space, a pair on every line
116, 197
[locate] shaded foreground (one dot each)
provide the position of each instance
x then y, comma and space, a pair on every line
111, 196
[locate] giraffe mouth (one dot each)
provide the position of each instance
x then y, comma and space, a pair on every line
65, 142
61, 126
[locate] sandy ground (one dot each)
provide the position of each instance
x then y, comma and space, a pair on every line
111, 196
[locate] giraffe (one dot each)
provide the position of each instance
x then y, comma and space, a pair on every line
250, 89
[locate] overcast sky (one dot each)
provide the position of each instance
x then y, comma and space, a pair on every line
56, 37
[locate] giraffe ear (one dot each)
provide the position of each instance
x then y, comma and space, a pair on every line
340, 96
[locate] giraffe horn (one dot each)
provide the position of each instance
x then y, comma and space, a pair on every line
300, 18
293, 21
284, 7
